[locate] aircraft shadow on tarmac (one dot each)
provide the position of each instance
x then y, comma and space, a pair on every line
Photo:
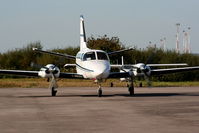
117, 95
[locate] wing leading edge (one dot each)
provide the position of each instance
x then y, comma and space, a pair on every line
35, 74
20, 72
173, 70
150, 65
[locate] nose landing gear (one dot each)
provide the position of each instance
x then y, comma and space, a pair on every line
99, 91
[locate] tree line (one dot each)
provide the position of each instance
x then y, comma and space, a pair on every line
22, 58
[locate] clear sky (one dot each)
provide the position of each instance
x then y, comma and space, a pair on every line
55, 23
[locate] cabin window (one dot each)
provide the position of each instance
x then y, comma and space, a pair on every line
102, 56
89, 56
78, 56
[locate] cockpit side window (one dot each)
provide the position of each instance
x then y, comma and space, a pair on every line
102, 56
78, 56
89, 56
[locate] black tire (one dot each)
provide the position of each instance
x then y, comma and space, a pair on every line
111, 84
53, 91
140, 84
99, 93
131, 91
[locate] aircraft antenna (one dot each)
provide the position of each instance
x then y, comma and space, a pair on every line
177, 38
189, 42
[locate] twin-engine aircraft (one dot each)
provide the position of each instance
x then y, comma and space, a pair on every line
95, 64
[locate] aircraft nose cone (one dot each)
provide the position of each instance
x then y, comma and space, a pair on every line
102, 72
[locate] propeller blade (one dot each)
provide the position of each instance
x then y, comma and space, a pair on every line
38, 66
149, 59
147, 80
34, 65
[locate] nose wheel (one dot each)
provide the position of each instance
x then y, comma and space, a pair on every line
131, 90
99, 91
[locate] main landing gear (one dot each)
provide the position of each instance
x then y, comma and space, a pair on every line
53, 85
53, 91
131, 87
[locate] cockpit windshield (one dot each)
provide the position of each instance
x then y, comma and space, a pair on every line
102, 56
89, 56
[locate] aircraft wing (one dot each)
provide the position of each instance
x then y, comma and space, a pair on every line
20, 72
116, 66
54, 53
71, 75
125, 66
150, 65
173, 70
35, 74
119, 75
159, 65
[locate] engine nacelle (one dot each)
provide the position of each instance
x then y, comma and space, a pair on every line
148, 70
142, 70
125, 70
49, 70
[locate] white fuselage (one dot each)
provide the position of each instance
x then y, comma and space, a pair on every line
93, 64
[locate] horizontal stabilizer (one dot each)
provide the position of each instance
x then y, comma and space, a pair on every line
69, 66
119, 51
54, 53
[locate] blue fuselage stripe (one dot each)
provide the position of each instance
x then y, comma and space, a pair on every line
84, 69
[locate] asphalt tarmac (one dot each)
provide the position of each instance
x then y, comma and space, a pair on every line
78, 109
